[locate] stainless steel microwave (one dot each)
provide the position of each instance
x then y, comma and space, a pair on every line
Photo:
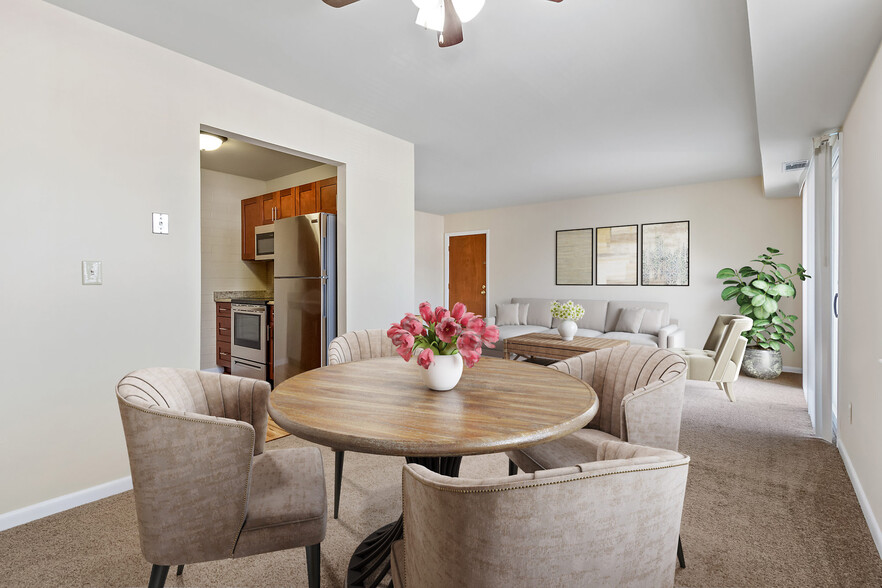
264, 238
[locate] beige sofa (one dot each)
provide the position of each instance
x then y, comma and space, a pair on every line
601, 317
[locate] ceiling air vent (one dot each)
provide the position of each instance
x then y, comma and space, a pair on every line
789, 166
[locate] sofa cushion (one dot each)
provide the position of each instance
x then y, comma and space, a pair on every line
634, 338
594, 317
507, 331
506, 314
652, 321
629, 320
615, 307
523, 308
539, 312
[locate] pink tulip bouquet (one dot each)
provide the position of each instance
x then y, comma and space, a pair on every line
442, 332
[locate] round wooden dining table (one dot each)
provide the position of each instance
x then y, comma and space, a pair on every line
381, 406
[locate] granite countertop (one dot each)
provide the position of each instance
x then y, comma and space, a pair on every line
228, 295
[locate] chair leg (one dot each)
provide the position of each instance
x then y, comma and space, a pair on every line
314, 564
727, 386
180, 569
338, 480
157, 576
680, 552
512, 468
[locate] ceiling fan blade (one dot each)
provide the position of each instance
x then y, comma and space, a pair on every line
555, 0
342, 3
452, 33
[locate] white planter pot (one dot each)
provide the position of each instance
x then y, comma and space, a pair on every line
567, 329
444, 374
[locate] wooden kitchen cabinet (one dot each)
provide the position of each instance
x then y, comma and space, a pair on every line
269, 205
306, 199
224, 315
287, 203
251, 217
326, 191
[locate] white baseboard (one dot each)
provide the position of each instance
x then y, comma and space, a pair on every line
875, 531
791, 370
33, 512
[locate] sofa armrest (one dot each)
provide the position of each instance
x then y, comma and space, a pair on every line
489, 320
652, 414
671, 336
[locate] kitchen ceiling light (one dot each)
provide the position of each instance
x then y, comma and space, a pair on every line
209, 142
444, 16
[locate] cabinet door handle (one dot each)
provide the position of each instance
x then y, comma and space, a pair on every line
222, 329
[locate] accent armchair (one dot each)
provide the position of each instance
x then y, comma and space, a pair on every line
355, 346
720, 360
610, 522
204, 488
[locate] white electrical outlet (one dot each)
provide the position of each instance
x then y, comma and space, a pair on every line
92, 273
160, 223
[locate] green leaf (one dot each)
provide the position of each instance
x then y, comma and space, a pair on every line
759, 300
788, 290
730, 292
790, 345
747, 290
776, 336
761, 336
761, 284
746, 309
758, 324
775, 345
760, 313
785, 267
772, 250
770, 305
790, 329
792, 317
731, 282
726, 272
763, 345
747, 271
776, 320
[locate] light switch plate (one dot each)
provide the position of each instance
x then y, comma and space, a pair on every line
92, 273
160, 223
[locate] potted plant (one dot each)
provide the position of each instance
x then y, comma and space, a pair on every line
757, 292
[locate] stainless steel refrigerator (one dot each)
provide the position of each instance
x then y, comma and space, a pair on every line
305, 282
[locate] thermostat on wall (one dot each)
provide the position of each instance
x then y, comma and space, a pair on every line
160, 223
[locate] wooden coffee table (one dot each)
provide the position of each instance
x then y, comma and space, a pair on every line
551, 346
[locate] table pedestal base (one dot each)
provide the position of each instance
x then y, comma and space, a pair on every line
370, 563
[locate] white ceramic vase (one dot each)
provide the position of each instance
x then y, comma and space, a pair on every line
567, 329
444, 374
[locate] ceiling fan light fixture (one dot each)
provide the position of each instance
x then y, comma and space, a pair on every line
209, 142
431, 12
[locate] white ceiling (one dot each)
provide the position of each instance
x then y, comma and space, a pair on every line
543, 101
251, 161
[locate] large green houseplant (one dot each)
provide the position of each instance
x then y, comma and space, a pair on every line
757, 290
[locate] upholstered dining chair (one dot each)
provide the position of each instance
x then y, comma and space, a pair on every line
720, 359
610, 522
204, 488
354, 346
640, 390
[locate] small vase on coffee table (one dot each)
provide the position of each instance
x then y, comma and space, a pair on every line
567, 329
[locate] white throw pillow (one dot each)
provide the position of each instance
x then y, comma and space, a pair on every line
506, 314
522, 313
652, 321
629, 320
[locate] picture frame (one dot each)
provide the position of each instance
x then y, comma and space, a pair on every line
574, 257
616, 248
664, 253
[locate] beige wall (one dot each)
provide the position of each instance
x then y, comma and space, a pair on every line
429, 266
314, 174
730, 223
860, 322
222, 265
100, 129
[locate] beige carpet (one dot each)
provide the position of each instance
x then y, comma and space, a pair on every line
767, 505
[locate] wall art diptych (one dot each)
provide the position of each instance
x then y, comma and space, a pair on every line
574, 259
617, 256
665, 252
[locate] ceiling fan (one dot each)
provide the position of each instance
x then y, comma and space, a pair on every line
439, 15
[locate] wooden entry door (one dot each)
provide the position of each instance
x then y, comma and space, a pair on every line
467, 269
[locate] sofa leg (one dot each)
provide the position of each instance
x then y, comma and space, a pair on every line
720, 385
157, 576
680, 557
727, 386
512, 468
338, 480
180, 569
314, 564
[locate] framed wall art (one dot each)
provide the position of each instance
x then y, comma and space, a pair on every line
617, 256
665, 254
574, 257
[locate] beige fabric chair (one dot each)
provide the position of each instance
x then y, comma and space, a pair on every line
355, 346
204, 487
610, 522
720, 360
